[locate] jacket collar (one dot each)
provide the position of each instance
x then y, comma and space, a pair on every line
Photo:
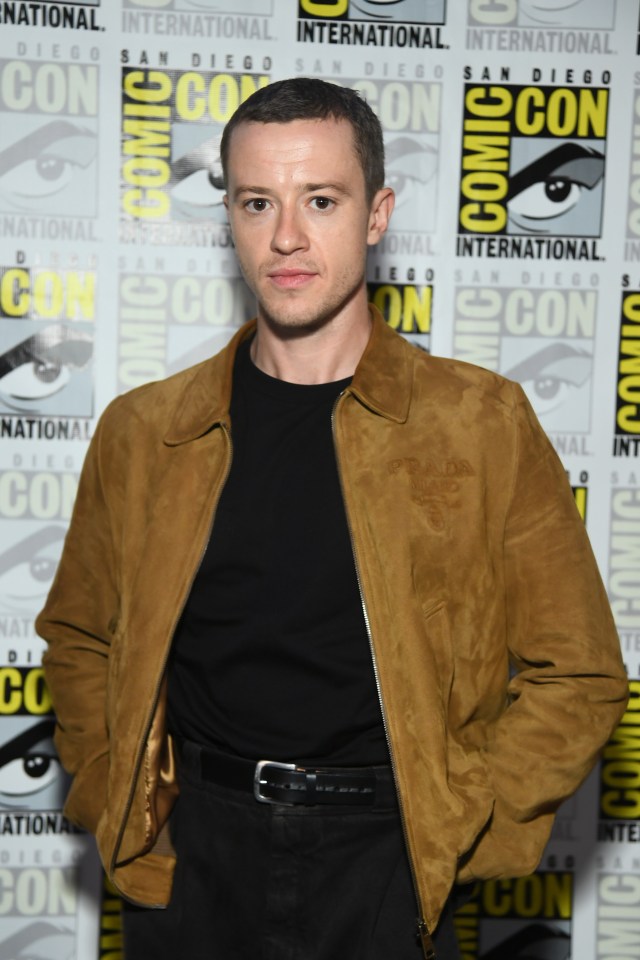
384, 376
382, 382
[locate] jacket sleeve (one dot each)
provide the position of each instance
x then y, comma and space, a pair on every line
77, 622
568, 687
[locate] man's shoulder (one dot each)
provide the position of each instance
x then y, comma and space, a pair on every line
157, 395
453, 376
188, 400
157, 401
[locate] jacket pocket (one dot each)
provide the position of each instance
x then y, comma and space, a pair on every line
438, 635
467, 773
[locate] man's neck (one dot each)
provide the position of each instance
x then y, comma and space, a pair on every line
324, 355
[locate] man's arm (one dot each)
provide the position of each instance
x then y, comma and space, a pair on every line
78, 621
569, 688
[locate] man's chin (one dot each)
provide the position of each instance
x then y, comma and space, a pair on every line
290, 325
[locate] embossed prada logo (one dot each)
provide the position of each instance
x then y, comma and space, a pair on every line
430, 481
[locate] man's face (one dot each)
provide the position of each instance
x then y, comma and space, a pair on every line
300, 219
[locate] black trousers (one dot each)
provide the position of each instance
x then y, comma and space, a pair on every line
258, 881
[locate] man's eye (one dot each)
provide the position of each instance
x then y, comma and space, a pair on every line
322, 203
256, 206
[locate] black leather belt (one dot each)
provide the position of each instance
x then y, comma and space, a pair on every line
288, 783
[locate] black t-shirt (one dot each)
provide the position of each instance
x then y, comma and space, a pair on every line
271, 658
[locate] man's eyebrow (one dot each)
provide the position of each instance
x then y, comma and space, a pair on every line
248, 188
333, 185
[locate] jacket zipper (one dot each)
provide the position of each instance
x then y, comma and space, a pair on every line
156, 696
422, 928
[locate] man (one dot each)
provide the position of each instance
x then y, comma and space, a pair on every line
321, 549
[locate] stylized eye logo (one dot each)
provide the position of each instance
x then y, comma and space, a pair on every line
43, 164
196, 182
40, 939
41, 365
396, 10
27, 569
535, 940
550, 375
239, 7
547, 190
28, 764
409, 163
567, 13
411, 170
377, 4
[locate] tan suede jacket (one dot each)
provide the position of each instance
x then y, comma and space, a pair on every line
472, 560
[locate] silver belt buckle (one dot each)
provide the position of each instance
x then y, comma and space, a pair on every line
258, 781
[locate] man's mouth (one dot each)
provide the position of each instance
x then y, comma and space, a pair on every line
290, 278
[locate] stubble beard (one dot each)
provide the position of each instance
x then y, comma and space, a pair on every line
294, 322
289, 319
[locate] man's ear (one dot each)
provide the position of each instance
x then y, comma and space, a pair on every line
381, 209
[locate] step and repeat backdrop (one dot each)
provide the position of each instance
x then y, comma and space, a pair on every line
513, 144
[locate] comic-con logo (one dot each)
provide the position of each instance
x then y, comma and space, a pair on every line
620, 776
410, 115
110, 922
518, 919
542, 338
171, 176
624, 560
29, 556
383, 23
52, 13
39, 938
626, 441
632, 245
48, 141
581, 495
241, 19
39, 907
406, 307
532, 169
168, 322
543, 14
46, 341
31, 777
244, 7
45, 371
37, 494
616, 924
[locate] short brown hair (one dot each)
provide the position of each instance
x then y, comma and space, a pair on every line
307, 98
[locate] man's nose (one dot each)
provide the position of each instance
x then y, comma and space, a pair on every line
289, 234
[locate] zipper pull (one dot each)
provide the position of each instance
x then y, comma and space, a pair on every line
426, 941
